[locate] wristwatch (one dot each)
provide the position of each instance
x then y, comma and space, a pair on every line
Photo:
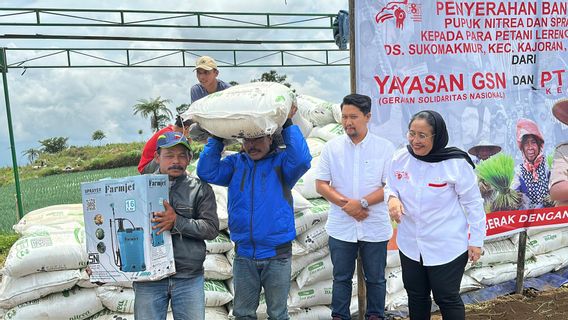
364, 203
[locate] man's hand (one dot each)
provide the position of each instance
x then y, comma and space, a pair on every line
165, 219
293, 111
196, 133
396, 210
354, 209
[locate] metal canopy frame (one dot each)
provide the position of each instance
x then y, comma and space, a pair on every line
170, 58
52, 17
89, 57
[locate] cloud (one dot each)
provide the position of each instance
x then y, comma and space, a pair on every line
75, 102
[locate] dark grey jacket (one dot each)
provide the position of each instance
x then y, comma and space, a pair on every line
196, 221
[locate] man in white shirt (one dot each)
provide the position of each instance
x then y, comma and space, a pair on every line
351, 175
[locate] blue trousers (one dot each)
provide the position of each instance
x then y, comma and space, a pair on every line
343, 257
250, 275
187, 297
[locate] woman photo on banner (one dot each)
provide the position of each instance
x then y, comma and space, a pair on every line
532, 175
433, 195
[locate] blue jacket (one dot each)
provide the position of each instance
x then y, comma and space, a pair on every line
261, 213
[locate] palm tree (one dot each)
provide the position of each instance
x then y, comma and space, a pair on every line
155, 109
32, 154
98, 135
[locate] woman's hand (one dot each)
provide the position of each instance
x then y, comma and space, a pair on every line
396, 210
474, 253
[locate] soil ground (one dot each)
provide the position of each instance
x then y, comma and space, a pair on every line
531, 305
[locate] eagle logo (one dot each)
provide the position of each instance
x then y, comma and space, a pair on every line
393, 9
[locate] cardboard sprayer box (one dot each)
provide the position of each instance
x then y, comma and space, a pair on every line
121, 244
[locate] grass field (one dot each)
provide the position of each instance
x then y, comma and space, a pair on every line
57, 189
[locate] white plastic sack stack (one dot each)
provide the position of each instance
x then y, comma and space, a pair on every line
230, 255
314, 239
14, 291
116, 299
211, 313
547, 241
300, 262
469, 284
58, 217
306, 186
396, 300
217, 267
320, 205
311, 313
499, 252
319, 112
541, 264
304, 125
315, 294
394, 280
327, 132
298, 249
74, 304
308, 219
337, 112
216, 293
47, 251
243, 111
494, 274
562, 255
315, 145
221, 244
393, 259
317, 271
300, 203
216, 313
107, 314
221, 200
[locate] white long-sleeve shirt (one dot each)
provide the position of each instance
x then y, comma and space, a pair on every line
355, 170
441, 202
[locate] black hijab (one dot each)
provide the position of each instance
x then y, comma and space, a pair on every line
439, 150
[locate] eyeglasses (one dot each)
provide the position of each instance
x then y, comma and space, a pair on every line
420, 136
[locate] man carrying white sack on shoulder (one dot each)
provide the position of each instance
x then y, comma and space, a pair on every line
261, 216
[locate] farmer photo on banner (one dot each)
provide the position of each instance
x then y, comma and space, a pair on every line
493, 70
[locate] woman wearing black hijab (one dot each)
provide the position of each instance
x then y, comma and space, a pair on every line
433, 196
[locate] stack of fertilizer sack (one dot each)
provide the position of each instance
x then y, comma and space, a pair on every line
44, 270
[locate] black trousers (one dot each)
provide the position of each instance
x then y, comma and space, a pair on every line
444, 283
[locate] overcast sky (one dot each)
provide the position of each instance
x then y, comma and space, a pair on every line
75, 102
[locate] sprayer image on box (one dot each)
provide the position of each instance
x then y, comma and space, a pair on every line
129, 253
157, 239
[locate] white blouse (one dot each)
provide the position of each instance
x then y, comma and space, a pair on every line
441, 201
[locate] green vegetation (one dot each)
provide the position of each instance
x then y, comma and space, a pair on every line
273, 76
77, 159
496, 175
98, 135
32, 154
52, 190
156, 110
54, 145
6, 242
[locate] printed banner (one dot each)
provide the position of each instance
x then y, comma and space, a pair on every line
508, 222
493, 69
